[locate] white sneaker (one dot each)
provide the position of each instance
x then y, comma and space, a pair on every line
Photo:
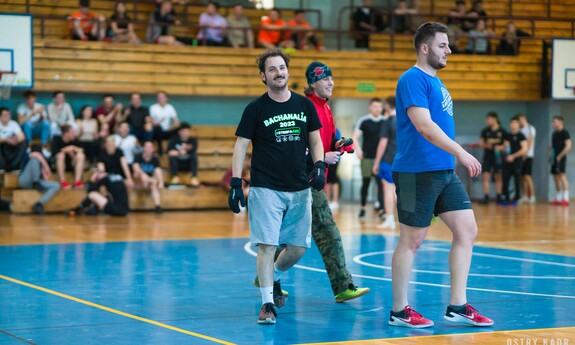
523, 200
333, 206
532, 200
46, 153
387, 224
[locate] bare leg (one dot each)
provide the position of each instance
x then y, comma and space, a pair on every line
79, 166
265, 265
289, 257
155, 191
390, 197
529, 186
61, 166
486, 182
98, 199
565, 182
498, 182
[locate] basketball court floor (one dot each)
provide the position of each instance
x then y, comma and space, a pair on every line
186, 278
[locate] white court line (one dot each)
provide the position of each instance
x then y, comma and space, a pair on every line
248, 249
525, 242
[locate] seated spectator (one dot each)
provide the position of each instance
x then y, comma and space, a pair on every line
111, 161
138, 117
88, 134
477, 12
34, 121
12, 142
165, 120
182, 151
85, 25
159, 29
69, 156
404, 19
272, 31
126, 142
366, 20
240, 32
36, 175
148, 174
478, 39
509, 44
455, 19
108, 113
212, 26
302, 32
121, 28
60, 114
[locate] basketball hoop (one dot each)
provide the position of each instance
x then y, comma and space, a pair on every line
7, 79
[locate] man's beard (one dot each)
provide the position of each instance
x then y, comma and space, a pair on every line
434, 61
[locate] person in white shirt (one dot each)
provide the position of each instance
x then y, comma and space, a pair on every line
12, 142
60, 114
33, 118
165, 120
126, 142
528, 187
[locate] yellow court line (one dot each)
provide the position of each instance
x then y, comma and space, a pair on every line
110, 310
365, 341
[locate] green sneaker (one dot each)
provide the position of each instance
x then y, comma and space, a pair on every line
351, 293
257, 284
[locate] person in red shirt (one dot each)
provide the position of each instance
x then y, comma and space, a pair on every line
302, 32
272, 30
109, 114
85, 25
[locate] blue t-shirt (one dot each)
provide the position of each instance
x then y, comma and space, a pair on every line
414, 153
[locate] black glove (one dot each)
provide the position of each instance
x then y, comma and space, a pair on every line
236, 194
317, 178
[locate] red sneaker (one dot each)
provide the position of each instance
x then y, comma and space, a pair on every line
78, 184
65, 185
267, 314
469, 316
556, 202
408, 318
565, 203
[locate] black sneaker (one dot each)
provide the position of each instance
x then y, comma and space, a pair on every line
92, 211
361, 213
485, 200
158, 209
279, 298
267, 314
38, 208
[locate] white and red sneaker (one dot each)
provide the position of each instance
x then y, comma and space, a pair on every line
408, 318
468, 316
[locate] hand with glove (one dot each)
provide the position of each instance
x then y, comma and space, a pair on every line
236, 195
317, 178
346, 145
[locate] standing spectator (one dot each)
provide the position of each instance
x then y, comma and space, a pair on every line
86, 25
272, 31
121, 27
138, 117
302, 32
126, 142
148, 174
366, 20
492, 140
108, 113
60, 114
34, 121
516, 149
560, 146
88, 134
182, 150
368, 127
69, 156
112, 161
405, 19
240, 32
529, 132
165, 120
478, 39
455, 19
509, 44
159, 29
36, 175
12, 142
212, 26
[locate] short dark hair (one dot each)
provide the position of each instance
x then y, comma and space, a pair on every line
147, 141
84, 108
493, 114
261, 60
216, 5
558, 117
184, 125
3, 109
460, 2
108, 95
296, 12
65, 128
375, 99
514, 118
390, 100
29, 93
57, 92
162, 91
426, 32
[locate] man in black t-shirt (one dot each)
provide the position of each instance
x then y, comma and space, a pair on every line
138, 117
183, 153
111, 161
516, 148
148, 174
280, 125
68, 156
560, 146
492, 140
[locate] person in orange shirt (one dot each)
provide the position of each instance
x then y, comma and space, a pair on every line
85, 25
301, 32
272, 30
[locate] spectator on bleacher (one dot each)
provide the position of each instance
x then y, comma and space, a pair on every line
68, 156
212, 26
108, 113
121, 27
126, 142
516, 149
455, 19
138, 116
34, 121
478, 39
112, 161
509, 44
60, 113
160, 22
88, 133
240, 34
272, 31
148, 174
405, 19
182, 151
12, 142
36, 175
165, 120
86, 25
366, 20
302, 32
477, 12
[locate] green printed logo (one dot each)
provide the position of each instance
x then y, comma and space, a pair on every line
288, 134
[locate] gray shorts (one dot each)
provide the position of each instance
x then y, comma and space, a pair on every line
279, 218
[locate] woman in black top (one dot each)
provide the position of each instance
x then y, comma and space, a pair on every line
121, 29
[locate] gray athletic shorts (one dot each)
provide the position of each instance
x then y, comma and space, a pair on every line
279, 218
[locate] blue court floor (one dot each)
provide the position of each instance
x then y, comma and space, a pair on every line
201, 292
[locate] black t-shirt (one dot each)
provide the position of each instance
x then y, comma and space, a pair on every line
117, 189
370, 128
58, 144
558, 140
164, 19
137, 117
112, 162
515, 141
493, 137
176, 143
388, 130
279, 135
147, 166
123, 22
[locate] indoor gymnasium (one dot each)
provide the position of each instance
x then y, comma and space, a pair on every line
287, 172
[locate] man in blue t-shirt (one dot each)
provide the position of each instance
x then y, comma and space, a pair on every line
426, 183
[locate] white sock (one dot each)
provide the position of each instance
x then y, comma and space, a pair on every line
559, 196
391, 218
566, 195
267, 294
277, 273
